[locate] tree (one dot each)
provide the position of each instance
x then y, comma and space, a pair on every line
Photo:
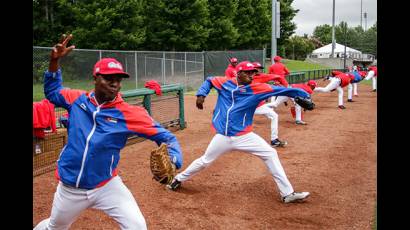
262, 23
223, 33
323, 33
245, 24
370, 40
287, 27
177, 25
108, 24
299, 47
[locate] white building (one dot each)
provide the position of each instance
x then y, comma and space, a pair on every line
326, 52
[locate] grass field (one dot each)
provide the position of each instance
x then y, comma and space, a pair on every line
295, 66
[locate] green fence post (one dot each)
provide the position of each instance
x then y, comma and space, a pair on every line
147, 103
181, 109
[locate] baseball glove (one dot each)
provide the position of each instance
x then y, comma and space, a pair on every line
305, 103
163, 170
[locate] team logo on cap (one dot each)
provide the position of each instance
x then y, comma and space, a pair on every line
114, 65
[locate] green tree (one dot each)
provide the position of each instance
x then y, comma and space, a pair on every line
222, 34
262, 23
245, 24
107, 24
298, 48
370, 40
177, 24
323, 33
287, 26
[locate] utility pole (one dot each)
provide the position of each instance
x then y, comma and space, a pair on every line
333, 31
344, 56
275, 28
365, 21
361, 8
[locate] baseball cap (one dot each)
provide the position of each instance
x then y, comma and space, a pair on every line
245, 66
277, 58
257, 65
107, 66
312, 83
233, 60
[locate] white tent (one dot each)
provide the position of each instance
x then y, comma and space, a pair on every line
326, 52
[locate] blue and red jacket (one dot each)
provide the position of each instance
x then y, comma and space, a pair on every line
236, 105
97, 133
357, 77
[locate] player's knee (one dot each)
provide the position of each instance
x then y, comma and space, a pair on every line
132, 222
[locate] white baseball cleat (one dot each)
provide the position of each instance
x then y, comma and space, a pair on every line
295, 197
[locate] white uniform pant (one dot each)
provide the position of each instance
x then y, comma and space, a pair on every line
273, 116
349, 91
333, 84
276, 101
113, 198
370, 75
250, 143
355, 89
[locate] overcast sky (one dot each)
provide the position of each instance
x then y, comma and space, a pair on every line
318, 12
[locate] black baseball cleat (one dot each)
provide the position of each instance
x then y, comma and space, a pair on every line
278, 143
174, 185
374, 90
350, 100
342, 107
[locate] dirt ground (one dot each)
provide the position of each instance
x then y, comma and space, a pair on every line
333, 157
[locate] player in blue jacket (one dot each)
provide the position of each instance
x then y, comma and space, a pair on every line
100, 122
232, 120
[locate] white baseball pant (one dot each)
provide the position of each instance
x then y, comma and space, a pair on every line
370, 75
349, 91
277, 100
250, 143
281, 99
333, 84
355, 89
113, 198
273, 116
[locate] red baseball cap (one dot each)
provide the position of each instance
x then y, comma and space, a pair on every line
277, 58
257, 65
245, 66
107, 66
312, 83
232, 60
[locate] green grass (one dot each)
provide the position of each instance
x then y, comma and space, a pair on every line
295, 66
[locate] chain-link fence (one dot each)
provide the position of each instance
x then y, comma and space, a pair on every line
186, 68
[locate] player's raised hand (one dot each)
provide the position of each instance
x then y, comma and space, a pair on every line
61, 49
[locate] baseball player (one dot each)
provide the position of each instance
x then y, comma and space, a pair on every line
232, 120
278, 67
100, 123
338, 81
231, 71
263, 109
372, 74
296, 110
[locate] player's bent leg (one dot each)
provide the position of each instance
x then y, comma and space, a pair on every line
355, 89
340, 95
116, 200
218, 146
68, 204
254, 144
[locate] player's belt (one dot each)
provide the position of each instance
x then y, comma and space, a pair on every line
73, 187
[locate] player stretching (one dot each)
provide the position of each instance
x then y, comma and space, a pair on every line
99, 125
232, 120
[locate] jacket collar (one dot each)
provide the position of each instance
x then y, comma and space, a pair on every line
108, 104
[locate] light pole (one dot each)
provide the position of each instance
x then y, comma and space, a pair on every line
361, 8
333, 31
273, 41
344, 56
